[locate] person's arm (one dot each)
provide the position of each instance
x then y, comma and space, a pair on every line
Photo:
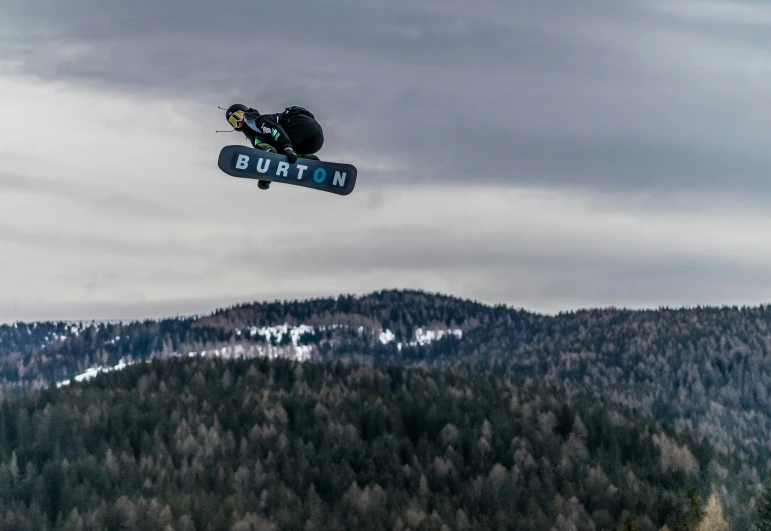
270, 128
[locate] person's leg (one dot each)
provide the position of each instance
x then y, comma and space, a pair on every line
264, 185
306, 135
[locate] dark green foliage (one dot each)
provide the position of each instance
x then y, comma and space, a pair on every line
628, 522
209, 444
763, 511
690, 519
708, 370
25, 337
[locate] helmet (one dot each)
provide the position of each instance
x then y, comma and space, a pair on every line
235, 114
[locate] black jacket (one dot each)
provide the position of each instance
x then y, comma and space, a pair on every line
266, 128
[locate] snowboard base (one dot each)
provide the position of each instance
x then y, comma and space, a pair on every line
250, 163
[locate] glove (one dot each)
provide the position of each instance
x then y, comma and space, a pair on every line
291, 155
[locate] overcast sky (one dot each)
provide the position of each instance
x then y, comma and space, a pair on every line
549, 155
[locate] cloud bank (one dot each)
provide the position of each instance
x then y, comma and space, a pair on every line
541, 154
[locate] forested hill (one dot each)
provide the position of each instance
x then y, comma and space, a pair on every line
706, 370
212, 444
34, 354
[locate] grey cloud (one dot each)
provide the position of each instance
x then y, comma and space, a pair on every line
117, 245
92, 195
531, 275
198, 47
618, 164
603, 97
609, 283
124, 310
484, 91
440, 251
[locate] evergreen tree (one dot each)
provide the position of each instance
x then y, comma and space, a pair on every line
692, 517
713, 515
629, 522
763, 511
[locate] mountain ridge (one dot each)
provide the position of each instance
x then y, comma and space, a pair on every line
707, 370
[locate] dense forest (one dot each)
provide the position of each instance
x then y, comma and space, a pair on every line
212, 444
705, 370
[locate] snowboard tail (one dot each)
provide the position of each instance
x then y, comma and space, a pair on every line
249, 163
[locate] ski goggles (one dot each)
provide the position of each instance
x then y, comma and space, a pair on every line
236, 118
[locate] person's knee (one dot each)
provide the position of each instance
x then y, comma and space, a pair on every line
312, 143
317, 139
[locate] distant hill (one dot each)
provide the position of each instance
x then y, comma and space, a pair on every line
210, 444
706, 370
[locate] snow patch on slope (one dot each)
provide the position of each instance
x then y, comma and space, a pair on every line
386, 337
282, 341
93, 371
278, 332
295, 352
422, 337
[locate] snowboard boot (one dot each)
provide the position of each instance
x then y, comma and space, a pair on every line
265, 147
308, 156
264, 185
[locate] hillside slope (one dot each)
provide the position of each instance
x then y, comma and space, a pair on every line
273, 444
706, 370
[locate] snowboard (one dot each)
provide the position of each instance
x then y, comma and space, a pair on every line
250, 163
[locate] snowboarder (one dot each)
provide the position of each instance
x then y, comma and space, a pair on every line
289, 132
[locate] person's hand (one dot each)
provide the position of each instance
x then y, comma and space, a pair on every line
291, 155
